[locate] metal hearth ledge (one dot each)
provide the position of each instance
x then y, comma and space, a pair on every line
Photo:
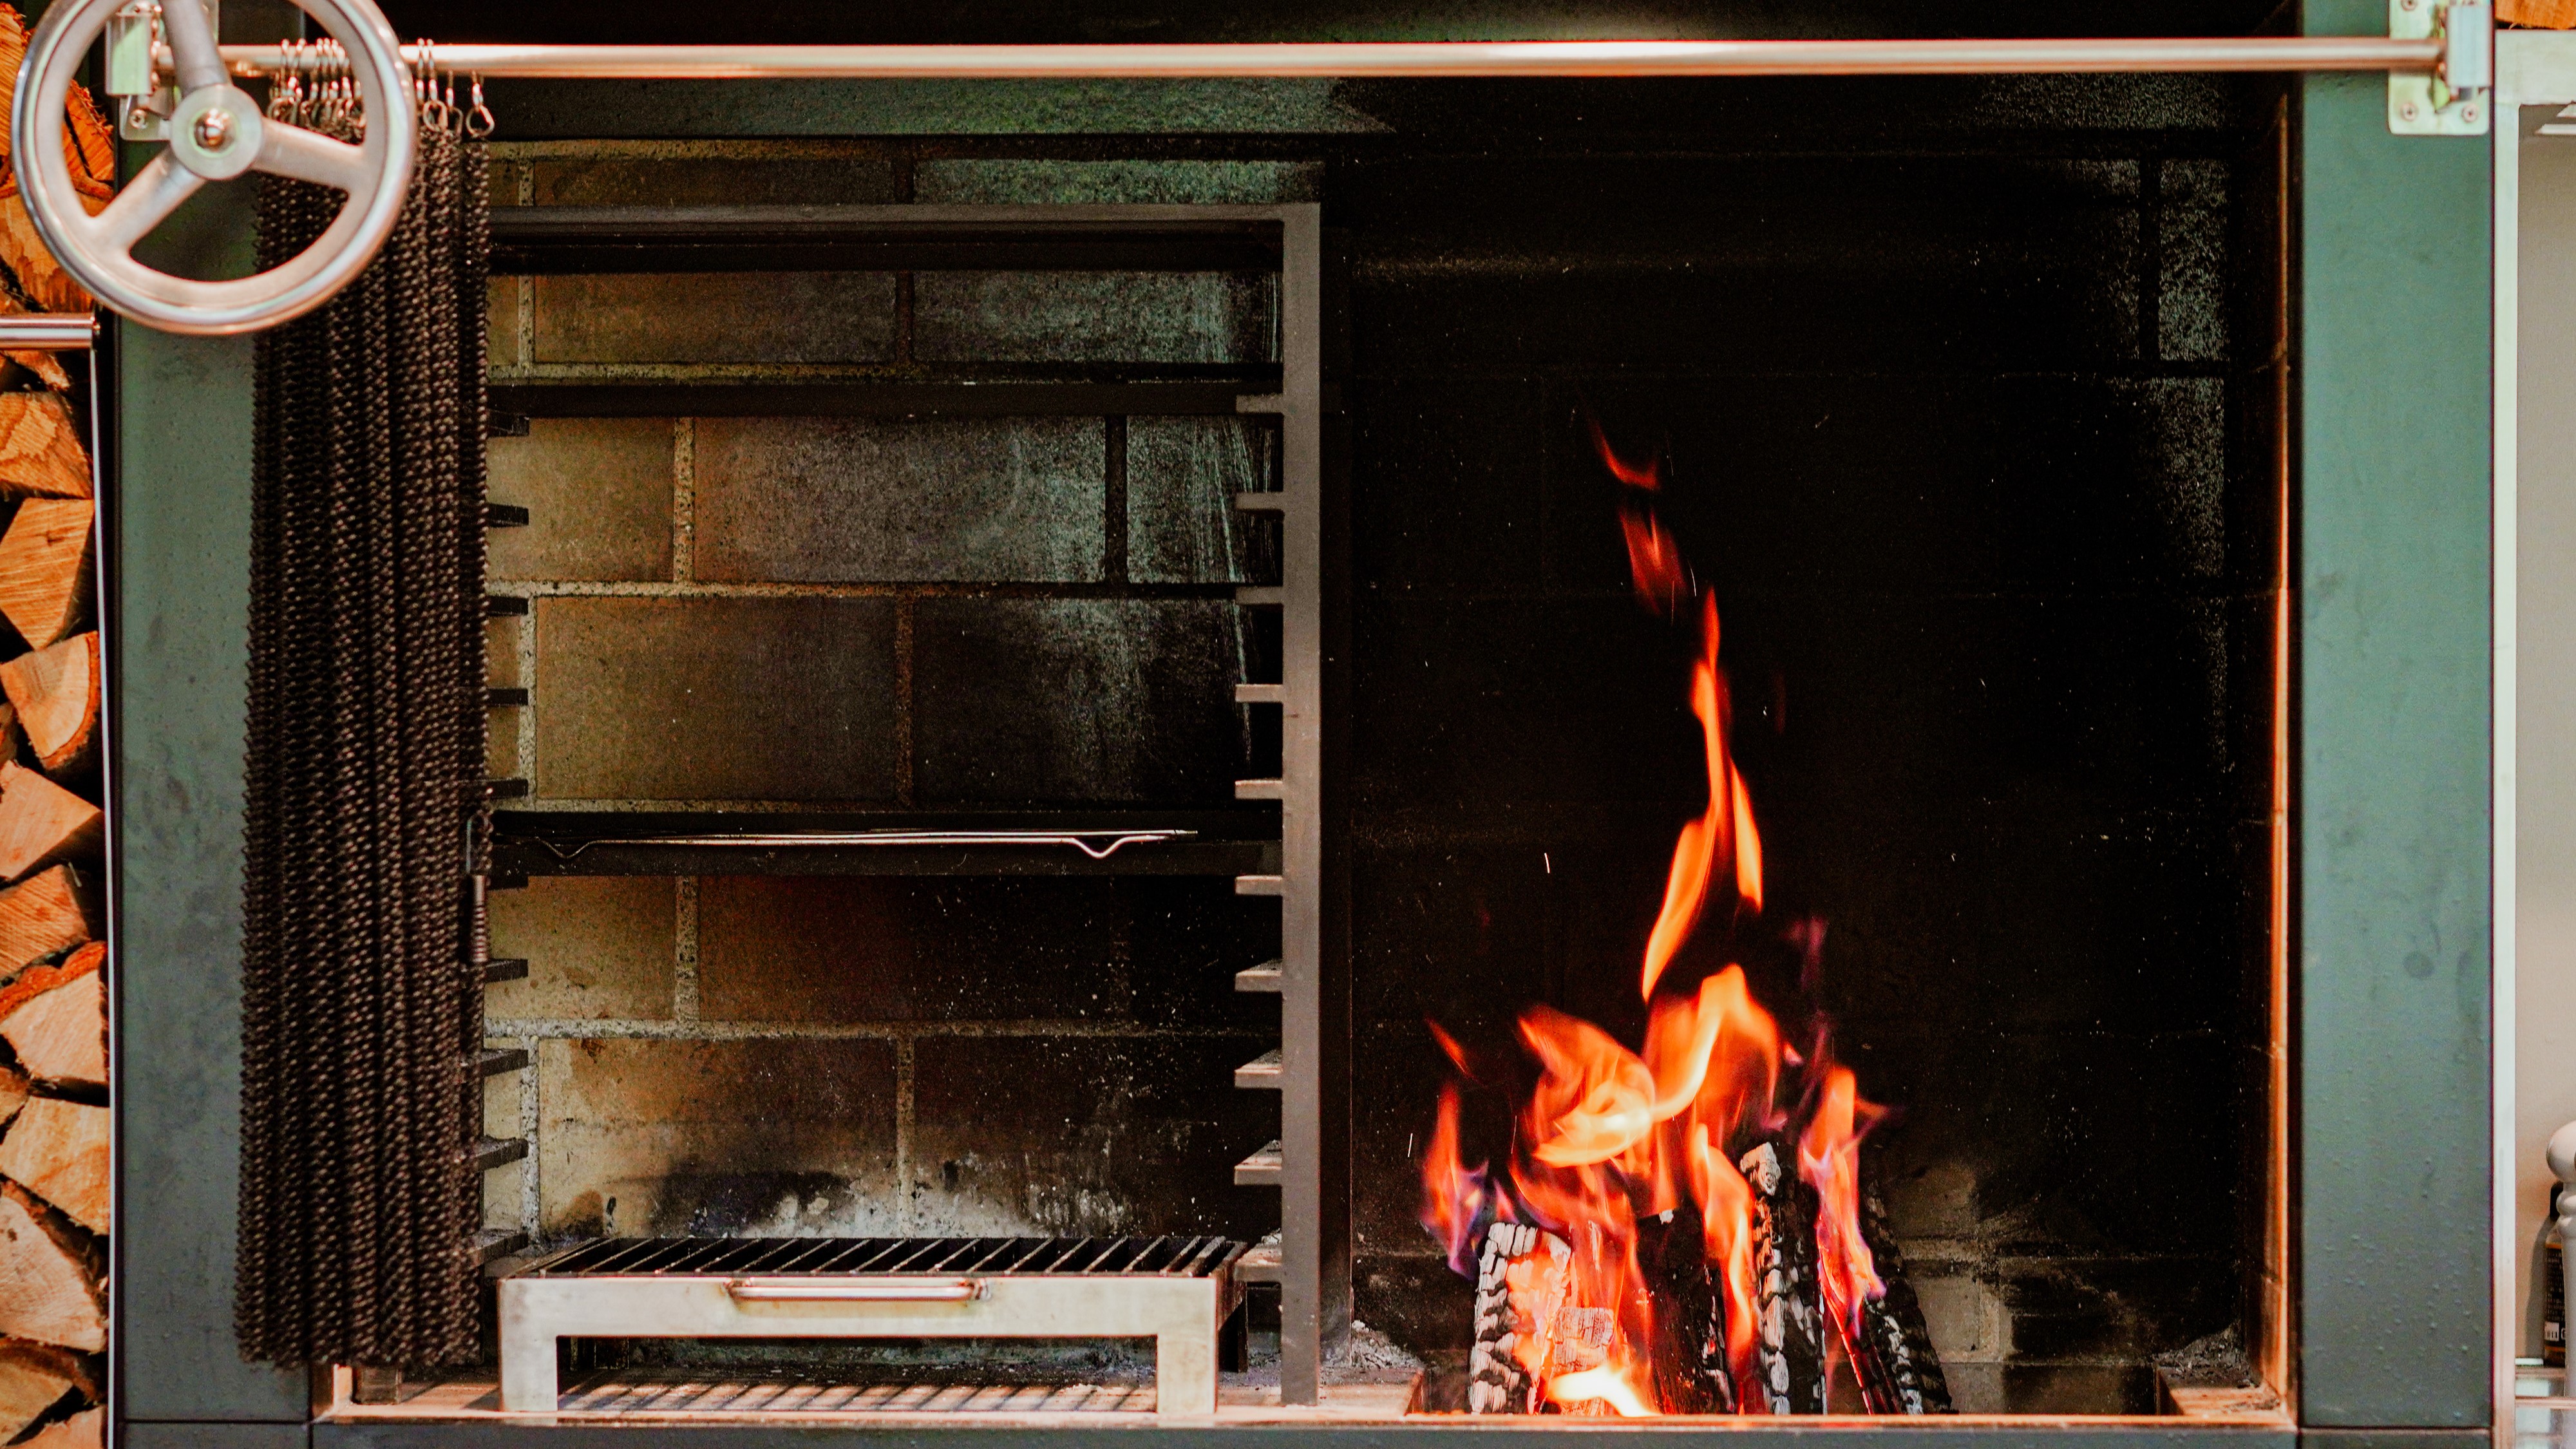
1178, 1291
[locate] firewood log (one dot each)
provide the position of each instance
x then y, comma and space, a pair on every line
1789, 1326
53, 694
84, 1430
41, 455
48, 1275
46, 913
1898, 1367
13, 1095
1689, 1351
60, 1030
34, 1377
58, 1151
45, 569
26, 985
43, 824
89, 150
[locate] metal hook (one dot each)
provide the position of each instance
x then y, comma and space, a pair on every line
480, 122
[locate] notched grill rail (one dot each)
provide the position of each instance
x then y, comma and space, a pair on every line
1167, 1256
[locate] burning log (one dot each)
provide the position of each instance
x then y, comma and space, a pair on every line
1689, 1351
1789, 1337
1497, 1383
1898, 1368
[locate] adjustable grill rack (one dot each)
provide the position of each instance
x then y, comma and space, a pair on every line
1308, 1161
1178, 1291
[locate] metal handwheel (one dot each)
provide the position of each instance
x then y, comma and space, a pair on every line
216, 133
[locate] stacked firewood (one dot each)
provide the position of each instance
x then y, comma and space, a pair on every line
54, 1161
1886, 1361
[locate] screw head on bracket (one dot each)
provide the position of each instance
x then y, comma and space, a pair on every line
2405, 110
2469, 112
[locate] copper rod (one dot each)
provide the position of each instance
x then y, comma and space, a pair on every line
1594, 58
47, 331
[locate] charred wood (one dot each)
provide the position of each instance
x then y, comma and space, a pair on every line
1496, 1381
1898, 1368
1689, 1351
1789, 1322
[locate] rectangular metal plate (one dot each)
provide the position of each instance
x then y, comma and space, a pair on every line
2426, 105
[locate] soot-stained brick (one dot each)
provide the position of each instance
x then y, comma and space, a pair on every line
868, 948
598, 495
728, 699
656, 1137
1201, 317
596, 947
1077, 700
1163, 183
1182, 525
712, 181
834, 500
1090, 1135
709, 317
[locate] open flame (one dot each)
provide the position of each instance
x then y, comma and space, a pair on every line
1609, 1138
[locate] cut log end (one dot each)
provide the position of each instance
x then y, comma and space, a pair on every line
53, 695
45, 566
43, 824
58, 1151
41, 454
44, 915
48, 1277
55, 1019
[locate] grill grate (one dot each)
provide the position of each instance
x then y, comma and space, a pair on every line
1164, 1257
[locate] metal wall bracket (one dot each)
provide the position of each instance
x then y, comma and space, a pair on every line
144, 95
2458, 99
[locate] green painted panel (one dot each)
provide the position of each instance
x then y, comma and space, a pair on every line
2395, 705
181, 553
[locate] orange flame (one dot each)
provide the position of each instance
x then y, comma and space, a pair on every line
1724, 829
1608, 1134
1654, 559
1456, 1199
1829, 1159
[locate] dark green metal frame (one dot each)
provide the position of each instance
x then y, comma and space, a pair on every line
2392, 1098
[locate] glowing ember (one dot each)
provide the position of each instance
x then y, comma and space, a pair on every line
1613, 1144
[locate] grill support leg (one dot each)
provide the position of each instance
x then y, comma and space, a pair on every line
527, 1359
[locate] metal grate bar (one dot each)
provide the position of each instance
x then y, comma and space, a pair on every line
1167, 1255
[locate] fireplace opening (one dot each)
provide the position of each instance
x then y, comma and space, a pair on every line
1904, 460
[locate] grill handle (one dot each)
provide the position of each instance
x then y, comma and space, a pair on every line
879, 1290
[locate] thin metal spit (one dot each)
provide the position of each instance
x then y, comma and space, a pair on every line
1178, 1291
1387, 59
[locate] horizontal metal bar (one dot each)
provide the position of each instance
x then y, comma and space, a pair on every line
951, 1290
1098, 844
962, 397
1390, 59
1264, 977
515, 968
48, 331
